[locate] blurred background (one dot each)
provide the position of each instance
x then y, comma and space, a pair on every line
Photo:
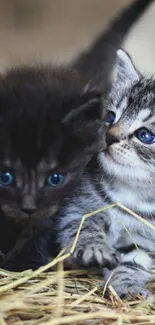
56, 30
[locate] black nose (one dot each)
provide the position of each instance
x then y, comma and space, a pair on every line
29, 210
110, 139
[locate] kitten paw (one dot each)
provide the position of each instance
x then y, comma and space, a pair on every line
96, 255
129, 283
129, 291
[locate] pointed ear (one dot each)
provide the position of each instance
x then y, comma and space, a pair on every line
125, 71
90, 109
86, 121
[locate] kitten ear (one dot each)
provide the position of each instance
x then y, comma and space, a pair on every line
125, 71
86, 122
90, 108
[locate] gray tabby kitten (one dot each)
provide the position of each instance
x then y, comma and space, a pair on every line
124, 173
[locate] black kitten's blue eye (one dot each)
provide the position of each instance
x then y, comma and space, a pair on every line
145, 136
110, 117
6, 179
56, 180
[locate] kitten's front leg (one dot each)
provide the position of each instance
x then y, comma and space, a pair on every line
92, 248
131, 276
30, 252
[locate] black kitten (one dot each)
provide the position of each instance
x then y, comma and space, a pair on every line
50, 127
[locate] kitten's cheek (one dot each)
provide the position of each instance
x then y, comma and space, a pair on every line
53, 210
13, 213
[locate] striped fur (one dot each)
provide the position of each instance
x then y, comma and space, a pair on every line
124, 173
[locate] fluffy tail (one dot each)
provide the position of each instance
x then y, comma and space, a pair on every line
100, 57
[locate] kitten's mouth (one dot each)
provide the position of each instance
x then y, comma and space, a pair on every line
115, 159
107, 154
21, 216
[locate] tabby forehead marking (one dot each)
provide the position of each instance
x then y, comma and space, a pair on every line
45, 166
143, 114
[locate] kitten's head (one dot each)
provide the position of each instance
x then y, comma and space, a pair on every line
130, 155
50, 126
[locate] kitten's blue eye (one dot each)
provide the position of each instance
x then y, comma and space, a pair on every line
56, 180
145, 136
110, 117
6, 179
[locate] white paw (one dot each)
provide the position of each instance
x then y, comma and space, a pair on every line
96, 255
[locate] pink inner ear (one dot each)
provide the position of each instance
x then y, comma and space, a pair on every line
126, 67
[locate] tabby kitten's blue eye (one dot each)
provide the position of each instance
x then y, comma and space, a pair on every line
110, 117
6, 179
56, 180
145, 136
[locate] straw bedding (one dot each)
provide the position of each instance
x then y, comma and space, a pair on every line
69, 297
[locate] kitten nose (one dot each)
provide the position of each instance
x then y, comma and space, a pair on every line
110, 139
29, 210
28, 204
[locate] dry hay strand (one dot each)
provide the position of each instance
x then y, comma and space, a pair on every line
69, 297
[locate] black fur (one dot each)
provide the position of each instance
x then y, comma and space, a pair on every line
48, 124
